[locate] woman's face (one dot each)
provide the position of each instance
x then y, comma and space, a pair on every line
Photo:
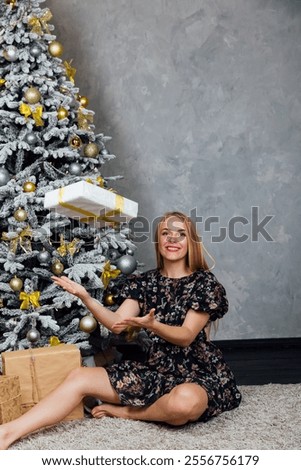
173, 243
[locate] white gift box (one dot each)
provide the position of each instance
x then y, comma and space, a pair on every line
91, 204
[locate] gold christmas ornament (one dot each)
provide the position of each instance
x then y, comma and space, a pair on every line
83, 101
55, 49
91, 150
29, 187
109, 300
16, 284
20, 215
2, 81
11, 3
88, 324
75, 142
32, 95
62, 113
57, 267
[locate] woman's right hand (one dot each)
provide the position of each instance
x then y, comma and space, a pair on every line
71, 286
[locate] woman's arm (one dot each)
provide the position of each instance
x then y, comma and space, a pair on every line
108, 318
179, 335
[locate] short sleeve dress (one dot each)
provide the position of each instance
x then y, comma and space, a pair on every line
167, 365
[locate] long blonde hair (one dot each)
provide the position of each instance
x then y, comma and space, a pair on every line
195, 255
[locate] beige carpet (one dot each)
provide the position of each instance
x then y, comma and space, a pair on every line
269, 418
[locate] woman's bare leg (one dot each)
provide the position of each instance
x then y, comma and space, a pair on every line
186, 402
60, 402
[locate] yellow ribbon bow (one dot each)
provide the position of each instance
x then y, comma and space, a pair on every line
29, 299
70, 71
66, 247
108, 274
39, 25
22, 238
36, 113
54, 341
84, 119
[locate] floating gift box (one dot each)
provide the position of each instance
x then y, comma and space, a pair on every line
41, 370
10, 398
91, 204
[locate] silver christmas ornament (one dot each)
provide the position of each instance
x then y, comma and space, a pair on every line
35, 51
31, 138
44, 257
75, 169
130, 252
4, 176
126, 264
88, 324
33, 335
11, 53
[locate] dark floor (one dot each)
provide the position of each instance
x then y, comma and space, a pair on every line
254, 362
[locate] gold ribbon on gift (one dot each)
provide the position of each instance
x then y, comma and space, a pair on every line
84, 119
108, 274
23, 238
29, 299
70, 71
54, 341
39, 25
36, 113
119, 207
99, 179
67, 247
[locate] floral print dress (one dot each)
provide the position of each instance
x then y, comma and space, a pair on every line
167, 365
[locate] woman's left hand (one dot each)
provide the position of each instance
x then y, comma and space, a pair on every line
147, 321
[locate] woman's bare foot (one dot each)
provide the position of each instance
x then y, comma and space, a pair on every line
113, 411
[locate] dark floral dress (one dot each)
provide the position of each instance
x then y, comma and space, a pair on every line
168, 365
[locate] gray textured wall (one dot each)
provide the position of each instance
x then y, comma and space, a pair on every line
202, 100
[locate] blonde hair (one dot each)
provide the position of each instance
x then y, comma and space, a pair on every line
195, 254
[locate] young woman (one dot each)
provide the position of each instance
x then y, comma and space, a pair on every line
185, 377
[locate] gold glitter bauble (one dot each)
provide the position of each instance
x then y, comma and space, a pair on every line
62, 113
29, 187
16, 284
83, 101
32, 95
75, 142
55, 49
109, 300
91, 150
20, 215
88, 324
57, 268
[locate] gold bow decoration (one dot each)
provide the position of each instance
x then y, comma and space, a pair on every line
68, 247
36, 113
29, 299
22, 239
70, 71
54, 341
39, 25
99, 179
84, 119
108, 274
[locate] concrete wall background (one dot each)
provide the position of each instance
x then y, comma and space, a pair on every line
203, 103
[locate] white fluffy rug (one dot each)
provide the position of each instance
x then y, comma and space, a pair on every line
268, 418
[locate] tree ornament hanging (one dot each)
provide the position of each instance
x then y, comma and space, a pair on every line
29, 187
32, 95
31, 138
16, 284
83, 100
91, 150
20, 215
75, 169
62, 113
39, 25
11, 54
2, 81
57, 267
29, 300
126, 264
4, 176
109, 300
11, 3
88, 324
35, 51
44, 257
108, 273
33, 335
70, 71
55, 49
75, 142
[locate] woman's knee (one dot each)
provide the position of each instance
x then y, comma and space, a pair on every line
187, 402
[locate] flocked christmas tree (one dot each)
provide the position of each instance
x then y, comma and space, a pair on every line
47, 141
